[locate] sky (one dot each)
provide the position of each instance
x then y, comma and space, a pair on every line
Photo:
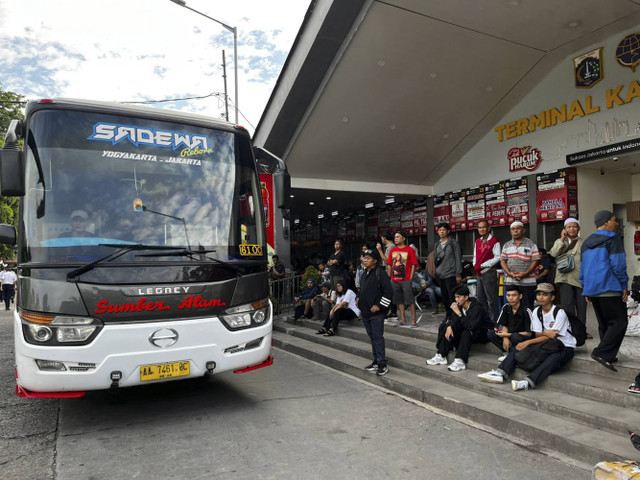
140, 50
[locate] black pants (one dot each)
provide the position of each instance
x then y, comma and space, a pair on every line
7, 292
374, 325
447, 286
611, 313
462, 340
552, 363
572, 301
344, 313
515, 338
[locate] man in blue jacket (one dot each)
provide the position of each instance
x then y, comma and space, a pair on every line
604, 280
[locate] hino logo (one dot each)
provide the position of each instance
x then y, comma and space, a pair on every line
163, 337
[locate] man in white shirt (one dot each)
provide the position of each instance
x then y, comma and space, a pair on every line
8, 282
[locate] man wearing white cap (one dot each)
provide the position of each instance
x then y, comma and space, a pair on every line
519, 259
566, 250
78, 221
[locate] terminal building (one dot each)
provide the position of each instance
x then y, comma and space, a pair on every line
402, 113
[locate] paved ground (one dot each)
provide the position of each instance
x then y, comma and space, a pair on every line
293, 420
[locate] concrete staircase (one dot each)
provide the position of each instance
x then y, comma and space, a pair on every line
582, 411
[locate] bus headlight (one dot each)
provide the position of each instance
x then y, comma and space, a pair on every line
51, 330
247, 315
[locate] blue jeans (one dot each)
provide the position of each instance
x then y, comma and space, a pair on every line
433, 292
374, 325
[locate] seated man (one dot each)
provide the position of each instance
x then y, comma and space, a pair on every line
514, 323
468, 324
423, 283
549, 323
324, 302
303, 300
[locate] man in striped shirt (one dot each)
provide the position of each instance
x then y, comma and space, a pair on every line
519, 259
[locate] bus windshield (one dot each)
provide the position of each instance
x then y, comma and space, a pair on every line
94, 180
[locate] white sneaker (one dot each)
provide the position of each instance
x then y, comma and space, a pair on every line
493, 376
519, 385
457, 365
437, 360
500, 359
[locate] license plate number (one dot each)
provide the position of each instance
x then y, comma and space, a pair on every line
164, 370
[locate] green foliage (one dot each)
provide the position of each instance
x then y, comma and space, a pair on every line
11, 105
310, 272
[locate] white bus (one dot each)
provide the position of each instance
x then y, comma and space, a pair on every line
141, 247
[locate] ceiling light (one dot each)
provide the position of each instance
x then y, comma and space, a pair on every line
433, 75
321, 215
445, 136
488, 88
387, 201
296, 221
392, 126
345, 119
615, 159
291, 196
381, 63
328, 198
369, 205
573, 24
334, 214
311, 203
514, 3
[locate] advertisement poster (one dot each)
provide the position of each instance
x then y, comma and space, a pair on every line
441, 210
475, 206
372, 226
407, 219
383, 221
458, 202
266, 184
395, 219
517, 200
495, 204
420, 224
557, 195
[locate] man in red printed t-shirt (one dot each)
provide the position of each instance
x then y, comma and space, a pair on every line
401, 266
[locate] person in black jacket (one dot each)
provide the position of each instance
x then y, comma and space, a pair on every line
373, 301
468, 324
514, 322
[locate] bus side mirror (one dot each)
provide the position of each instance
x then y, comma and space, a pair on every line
8, 235
269, 163
12, 182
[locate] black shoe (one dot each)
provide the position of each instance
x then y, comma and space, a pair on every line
371, 368
382, 370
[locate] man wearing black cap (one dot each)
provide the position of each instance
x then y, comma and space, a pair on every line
373, 301
468, 324
604, 280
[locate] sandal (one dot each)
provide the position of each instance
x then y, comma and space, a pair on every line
604, 363
330, 333
634, 388
322, 331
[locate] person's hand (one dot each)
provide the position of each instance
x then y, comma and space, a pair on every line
551, 333
521, 346
449, 333
455, 308
516, 276
563, 234
502, 334
506, 344
625, 296
374, 309
459, 280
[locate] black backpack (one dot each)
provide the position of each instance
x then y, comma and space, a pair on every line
576, 327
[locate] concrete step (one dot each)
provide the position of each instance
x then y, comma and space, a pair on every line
543, 432
560, 401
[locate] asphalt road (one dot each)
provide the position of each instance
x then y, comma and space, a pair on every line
293, 420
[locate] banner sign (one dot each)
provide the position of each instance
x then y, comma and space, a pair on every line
475, 206
557, 195
458, 202
495, 204
420, 224
407, 219
517, 200
441, 210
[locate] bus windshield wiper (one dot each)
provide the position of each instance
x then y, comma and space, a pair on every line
186, 252
113, 255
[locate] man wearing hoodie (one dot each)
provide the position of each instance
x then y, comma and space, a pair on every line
604, 280
304, 299
469, 323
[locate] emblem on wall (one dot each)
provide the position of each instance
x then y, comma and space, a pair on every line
587, 68
628, 51
525, 158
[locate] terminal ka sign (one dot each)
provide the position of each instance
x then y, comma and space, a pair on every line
524, 158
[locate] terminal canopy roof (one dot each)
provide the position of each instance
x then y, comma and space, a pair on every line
386, 96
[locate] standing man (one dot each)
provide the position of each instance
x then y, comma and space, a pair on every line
337, 265
604, 280
276, 273
401, 266
448, 259
373, 301
568, 282
486, 258
9, 281
519, 259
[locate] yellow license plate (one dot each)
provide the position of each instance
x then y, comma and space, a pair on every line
164, 370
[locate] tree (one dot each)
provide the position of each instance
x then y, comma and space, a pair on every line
10, 108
